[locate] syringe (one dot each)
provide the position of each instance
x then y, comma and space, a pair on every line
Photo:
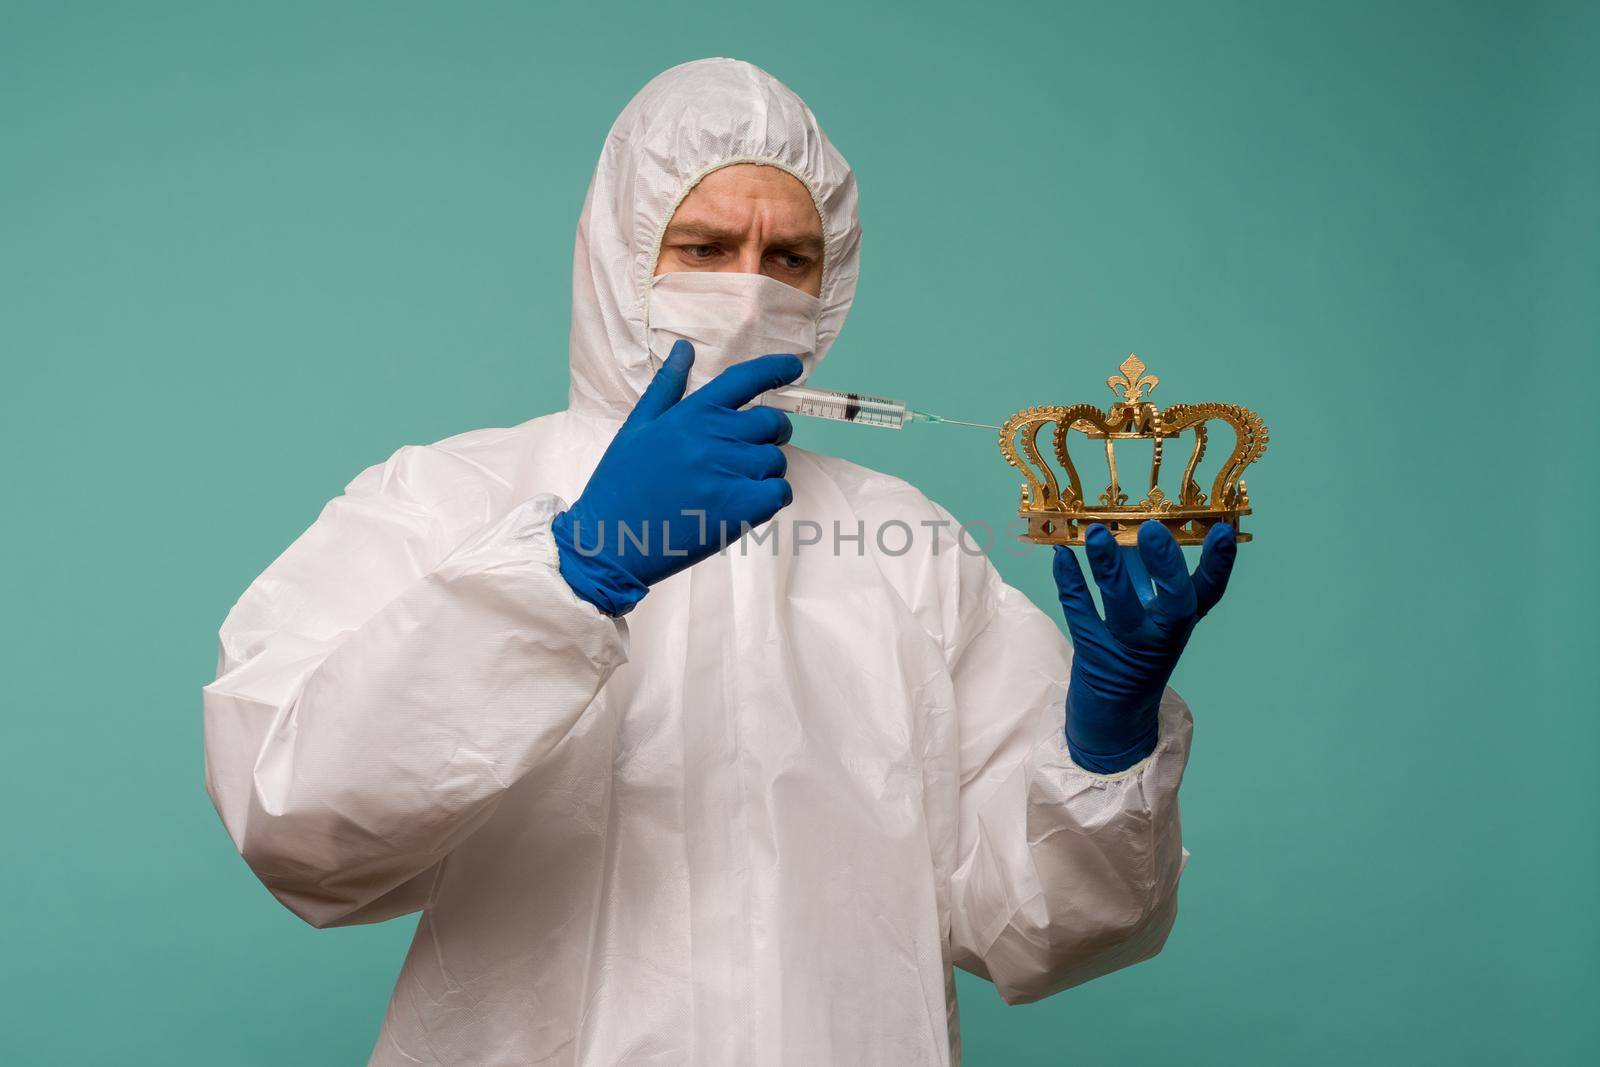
859, 408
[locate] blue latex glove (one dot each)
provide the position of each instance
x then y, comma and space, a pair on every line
681, 475
1120, 666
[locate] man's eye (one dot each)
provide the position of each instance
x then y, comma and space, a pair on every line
700, 251
791, 261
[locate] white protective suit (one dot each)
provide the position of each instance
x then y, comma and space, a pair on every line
758, 821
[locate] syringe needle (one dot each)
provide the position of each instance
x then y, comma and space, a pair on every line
923, 416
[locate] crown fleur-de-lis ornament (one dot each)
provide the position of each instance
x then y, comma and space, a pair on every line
1133, 382
1060, 514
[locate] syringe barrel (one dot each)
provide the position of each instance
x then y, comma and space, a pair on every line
859, 408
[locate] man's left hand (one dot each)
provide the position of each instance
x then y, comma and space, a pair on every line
1120, 664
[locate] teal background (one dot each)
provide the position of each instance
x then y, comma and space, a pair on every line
247, 250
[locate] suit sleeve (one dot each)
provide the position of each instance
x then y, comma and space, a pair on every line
381, 687
1062, 875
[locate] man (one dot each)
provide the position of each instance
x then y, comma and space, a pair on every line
663, 804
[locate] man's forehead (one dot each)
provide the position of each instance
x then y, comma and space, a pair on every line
755, 180
730, 199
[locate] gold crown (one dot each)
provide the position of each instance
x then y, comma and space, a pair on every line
1059, 515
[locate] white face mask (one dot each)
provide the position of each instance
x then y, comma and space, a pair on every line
730, 318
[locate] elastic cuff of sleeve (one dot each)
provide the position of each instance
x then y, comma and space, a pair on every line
532, 527
1114, 762
595, 577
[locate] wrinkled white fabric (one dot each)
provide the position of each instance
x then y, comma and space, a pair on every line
730, 317
756, 824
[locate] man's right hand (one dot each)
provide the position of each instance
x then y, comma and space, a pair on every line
682, 478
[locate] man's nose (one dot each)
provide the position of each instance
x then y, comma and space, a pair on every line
748, 261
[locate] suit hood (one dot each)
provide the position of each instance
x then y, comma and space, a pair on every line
686, 123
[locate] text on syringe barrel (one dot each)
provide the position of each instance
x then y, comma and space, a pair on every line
860, 408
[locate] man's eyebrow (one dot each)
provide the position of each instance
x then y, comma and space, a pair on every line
700, 231
800, 243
